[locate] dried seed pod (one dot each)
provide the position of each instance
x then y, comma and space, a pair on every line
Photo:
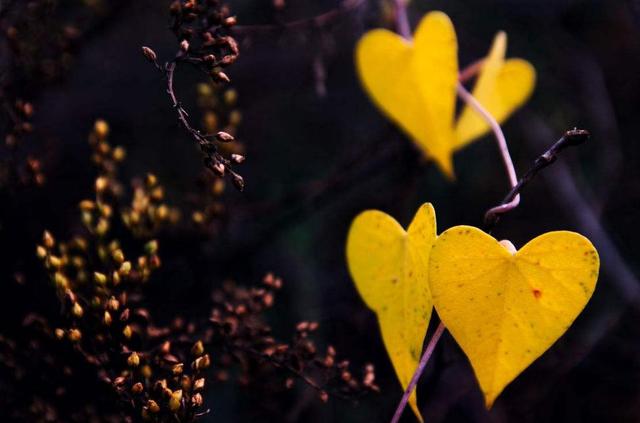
149, 54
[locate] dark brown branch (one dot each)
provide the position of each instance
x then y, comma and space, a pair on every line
570, 138
313, 22
214, 161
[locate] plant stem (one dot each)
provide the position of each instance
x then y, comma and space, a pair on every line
402, 19
416, 376
502, 145
570, 138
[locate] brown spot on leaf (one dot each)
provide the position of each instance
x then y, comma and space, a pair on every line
537, 293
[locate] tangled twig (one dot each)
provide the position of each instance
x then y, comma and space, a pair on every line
203, 43
570, 138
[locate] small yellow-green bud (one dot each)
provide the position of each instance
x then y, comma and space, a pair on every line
118, 256
61, 281
151, 247
41, 252
107, 319
125, 268
175, 400
133, 360
101, 128
100, 278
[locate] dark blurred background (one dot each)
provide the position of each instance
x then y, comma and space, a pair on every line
318, 153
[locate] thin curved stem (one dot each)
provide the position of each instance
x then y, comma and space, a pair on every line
402, 19
502, 145
431, 346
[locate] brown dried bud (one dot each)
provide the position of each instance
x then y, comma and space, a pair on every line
237, 158
149, 54
196, 400
124, 316
74, 335
113, 304
59, 333
48, 240
165, 348
324, 397
202, 362
137, 388
27, 109
221, 76
224, 137
198, 385
232, 44
153, 406
185, 383
120, 380
218, 168
238, 181
177, 369
228, 60
197, 349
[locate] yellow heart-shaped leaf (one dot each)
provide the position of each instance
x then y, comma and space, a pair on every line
506, 308
390, 268
415, 83
502, 86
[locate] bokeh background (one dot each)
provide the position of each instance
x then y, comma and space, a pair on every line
318, 153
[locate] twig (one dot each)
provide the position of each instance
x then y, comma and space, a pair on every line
569, 197
416, 376
313, 22
570, 138
182, 114
215, 161
285, 366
